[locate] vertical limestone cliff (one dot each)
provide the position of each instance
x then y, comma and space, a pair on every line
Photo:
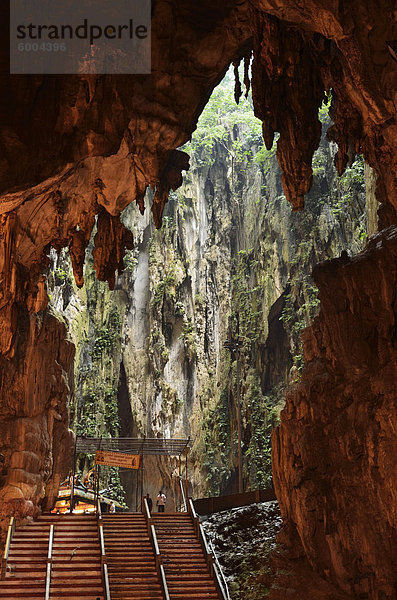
231, 259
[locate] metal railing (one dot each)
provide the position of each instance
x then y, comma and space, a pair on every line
104, 564
183, 496
207, 552
148, 516
194, 515
4, 561
49, 563
156, 549
159, 564
220, 572
210, 556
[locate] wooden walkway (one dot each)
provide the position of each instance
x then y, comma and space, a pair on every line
207, 506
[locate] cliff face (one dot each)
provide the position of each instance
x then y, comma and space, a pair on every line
345, 406
34, 421
231, 258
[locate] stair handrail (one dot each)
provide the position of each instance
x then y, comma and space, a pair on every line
103, 552
183, 495
210, 556
10, 534
204, 544
159, 563
49, 563
148, 516
158, 557
194, 515
214, 567
218, 568
199, 531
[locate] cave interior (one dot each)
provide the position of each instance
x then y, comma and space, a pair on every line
77, 149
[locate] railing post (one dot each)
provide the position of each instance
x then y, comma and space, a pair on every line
183, 503
159, 563
49, 563
105, 574
148, 516
4, 561
164, 583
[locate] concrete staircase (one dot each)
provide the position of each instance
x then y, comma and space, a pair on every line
187, 572
76, 566
27, 562
130, 558
76, 572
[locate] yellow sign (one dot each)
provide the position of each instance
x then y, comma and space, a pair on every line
117, 459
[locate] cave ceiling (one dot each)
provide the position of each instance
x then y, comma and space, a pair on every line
74, 147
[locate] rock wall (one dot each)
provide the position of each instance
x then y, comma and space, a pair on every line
333, 458
34, 422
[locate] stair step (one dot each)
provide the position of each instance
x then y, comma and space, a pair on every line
74, 596
77, 571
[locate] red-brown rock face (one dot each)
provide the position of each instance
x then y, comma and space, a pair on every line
334, 459
34, 386
74, 147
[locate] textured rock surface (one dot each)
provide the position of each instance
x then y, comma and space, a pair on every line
34, 418
243, 540
73, 147
334, 456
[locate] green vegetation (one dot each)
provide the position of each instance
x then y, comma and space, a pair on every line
247, 315
351, 182
165, 289
261, 415
171, 403
158, 350
301, 306
217, 122
130, 261
267, 257
61, 276
264, 156
226, 130
188, 336
256, 587
217, 443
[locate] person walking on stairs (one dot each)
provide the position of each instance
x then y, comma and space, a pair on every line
161, 498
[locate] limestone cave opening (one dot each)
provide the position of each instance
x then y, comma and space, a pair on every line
230, 258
